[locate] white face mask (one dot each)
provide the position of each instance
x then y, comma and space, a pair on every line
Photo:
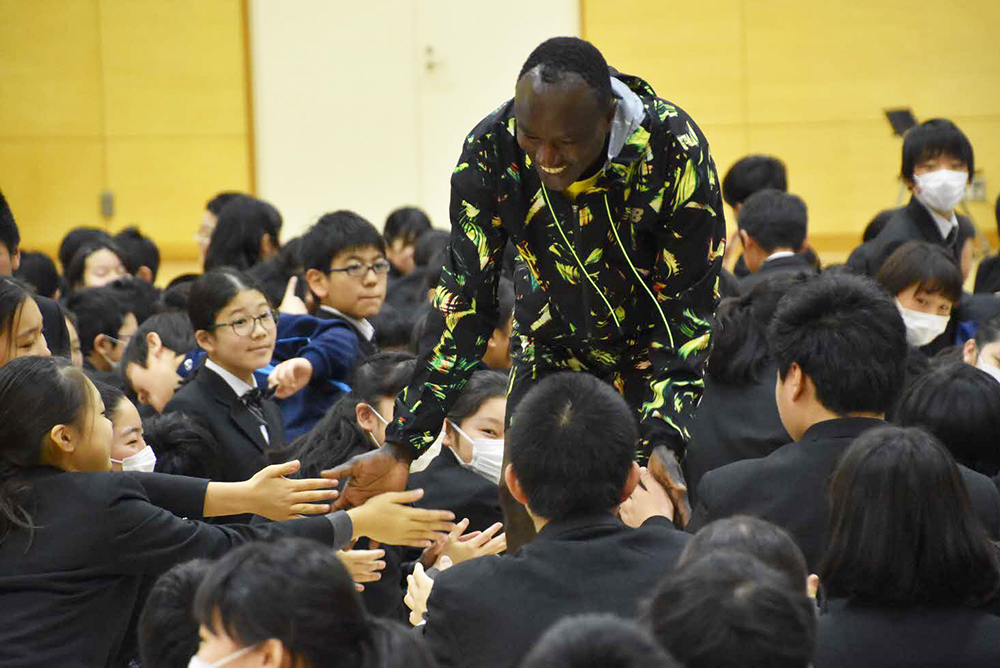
382, 419
922, 328
144, 460
487, 456
195, 662
941, 189
988, 368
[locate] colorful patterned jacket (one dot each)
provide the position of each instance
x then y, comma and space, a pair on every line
651, 226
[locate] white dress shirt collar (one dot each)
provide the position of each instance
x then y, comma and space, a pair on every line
944, 225
362, 325
239, 386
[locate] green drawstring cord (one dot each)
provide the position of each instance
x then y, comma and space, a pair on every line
635, 271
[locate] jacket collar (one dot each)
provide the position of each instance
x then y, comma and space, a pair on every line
557, 529
849, 427
929, 230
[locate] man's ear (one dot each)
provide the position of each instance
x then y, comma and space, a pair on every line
273, 654
631, 481
205, 340
317, 281
797, 380
365, 417
514, 485
746, 240
103, 344
969, 353
154, 345
144, 273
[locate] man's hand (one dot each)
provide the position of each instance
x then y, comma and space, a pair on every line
362, 565
276, 497
290, 376
648, 500
382, 470
387, 519
663, 465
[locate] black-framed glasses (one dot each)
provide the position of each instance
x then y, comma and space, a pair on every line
245, 326
357, 270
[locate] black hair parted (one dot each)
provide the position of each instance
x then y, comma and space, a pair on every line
931, 139
892, 543
78, 265
960, 405
140, 251
76, 239
335, 233
739, 352
97, 311
168, 631
10, 236
729, 610
571, 55
238, 237
40, 271
13, 294
183, 445
775, 219
761, 539
847, 336
175, 332
597, 641
407, 223
483, 385
212, 291
928, 266
753, 173
572, 443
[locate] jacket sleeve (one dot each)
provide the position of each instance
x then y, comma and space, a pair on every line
182, 495
466, 297
332, 350
692, 240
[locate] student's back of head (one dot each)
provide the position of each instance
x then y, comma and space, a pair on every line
183, 446
960, 405
750, 174
597, 641
97, 312
141, 298
847, 336
774, 220
572, 445
142, 257
10, 236
729, 610
40, 272
248, 231
168, 631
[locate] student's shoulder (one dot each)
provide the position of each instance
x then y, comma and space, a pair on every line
731, 478
472, 576
88, 489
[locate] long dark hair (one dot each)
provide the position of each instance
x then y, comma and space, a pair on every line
13, 294
902, 528
337, 437
239, 232
36, 394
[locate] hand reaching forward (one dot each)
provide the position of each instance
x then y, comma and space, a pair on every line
291, 304
279, 498
387, 519
384, 470
647, 500
362, 565
290, 376
418, 590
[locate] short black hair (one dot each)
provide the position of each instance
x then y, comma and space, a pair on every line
759, 538
335, 233
216, 203
753, 173
110, 395
571, 55
168, 631
483, 385
175, 295
572, 442
9, 234
97, 311
597, 641
40, 271
928, 266
75, 239
140, 298
407, 222
775, 219
78, 265
932, 138
429, 245
294, 590
212, 291
877, 224
902, 527
175, 332
740, 352
848, 336
392, 328
239, 232
960, 405
728, 610
988, 332
183, 445
140, 251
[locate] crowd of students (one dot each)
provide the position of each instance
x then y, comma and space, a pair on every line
162, 498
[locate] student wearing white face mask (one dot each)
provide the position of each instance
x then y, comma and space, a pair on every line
927, 283
937, 163
464, 477
983, 350
129, 451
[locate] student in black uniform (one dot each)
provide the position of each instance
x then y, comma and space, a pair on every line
236, 326
78, 539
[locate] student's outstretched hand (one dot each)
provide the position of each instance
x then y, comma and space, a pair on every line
383, 470
279, 498
387, 519
648, 500
418, 590
291, 304
290, 376
363, 565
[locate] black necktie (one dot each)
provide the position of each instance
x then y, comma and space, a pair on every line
253, 401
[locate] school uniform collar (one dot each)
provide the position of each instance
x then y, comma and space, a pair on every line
238, 386
779, 255
363, 326
944, 225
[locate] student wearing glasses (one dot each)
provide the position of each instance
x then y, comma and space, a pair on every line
236, 327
